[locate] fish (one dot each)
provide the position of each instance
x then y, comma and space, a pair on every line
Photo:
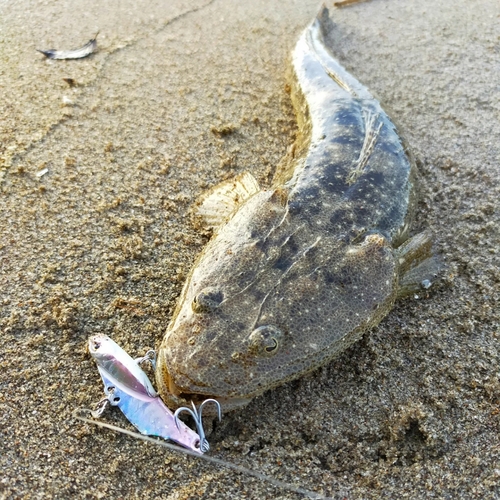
296, 273
128, 387
89, 48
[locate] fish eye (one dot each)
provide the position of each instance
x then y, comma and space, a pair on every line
265, 340
207, 300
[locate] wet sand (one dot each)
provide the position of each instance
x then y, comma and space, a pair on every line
102, 242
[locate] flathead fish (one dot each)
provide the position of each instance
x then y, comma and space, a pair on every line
296, 273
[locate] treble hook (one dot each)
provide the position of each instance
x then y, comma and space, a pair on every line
101, 406
150, 357
197, 414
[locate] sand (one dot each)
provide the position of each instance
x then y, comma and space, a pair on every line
97, 182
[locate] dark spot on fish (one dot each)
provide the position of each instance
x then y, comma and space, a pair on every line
310, 193
328, 276
239, 327
265, 245
311, 210
335, 174
388, 221
291, 246
361, 190
294, 207
287, 255
282, 263
340, 216
375, 178
258, 294
335, 186
349, 118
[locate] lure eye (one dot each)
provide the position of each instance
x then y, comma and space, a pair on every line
265, 340
207, 300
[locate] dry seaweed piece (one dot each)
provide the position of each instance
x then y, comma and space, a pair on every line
89, 48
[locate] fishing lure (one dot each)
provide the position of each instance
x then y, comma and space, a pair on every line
127, 386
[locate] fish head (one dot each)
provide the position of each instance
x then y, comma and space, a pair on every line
216, 344
256, 310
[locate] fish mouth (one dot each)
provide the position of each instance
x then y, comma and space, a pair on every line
176, 396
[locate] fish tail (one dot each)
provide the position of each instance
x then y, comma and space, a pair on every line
316, 34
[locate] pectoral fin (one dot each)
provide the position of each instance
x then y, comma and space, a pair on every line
215, 206
418, 265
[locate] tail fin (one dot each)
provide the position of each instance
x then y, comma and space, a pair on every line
316, 35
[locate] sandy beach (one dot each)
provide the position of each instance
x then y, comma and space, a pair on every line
101, 160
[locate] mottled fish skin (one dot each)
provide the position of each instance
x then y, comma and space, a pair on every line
302, 270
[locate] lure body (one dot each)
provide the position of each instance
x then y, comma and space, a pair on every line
128, 387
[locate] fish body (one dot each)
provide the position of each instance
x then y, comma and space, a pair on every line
129, 388
300, 271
